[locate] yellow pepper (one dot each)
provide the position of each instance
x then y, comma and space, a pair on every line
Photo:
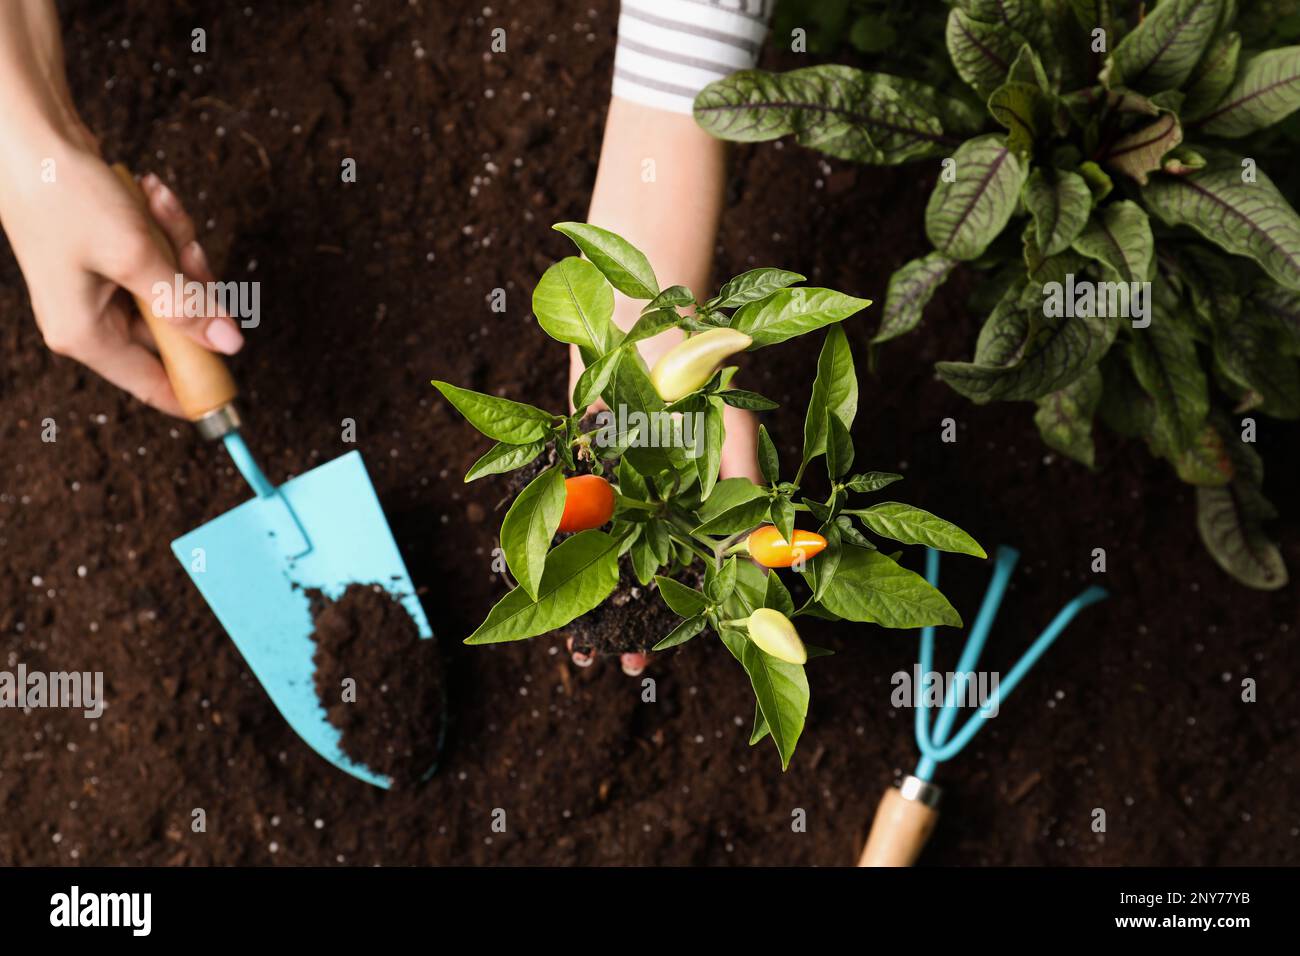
691, 363
773, 632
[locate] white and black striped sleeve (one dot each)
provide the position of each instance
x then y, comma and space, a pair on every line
669, 50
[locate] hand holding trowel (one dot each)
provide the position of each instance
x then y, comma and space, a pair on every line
254, 564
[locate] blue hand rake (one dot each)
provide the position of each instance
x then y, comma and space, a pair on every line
907, 813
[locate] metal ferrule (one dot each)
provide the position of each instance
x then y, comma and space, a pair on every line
219, 422
914, 788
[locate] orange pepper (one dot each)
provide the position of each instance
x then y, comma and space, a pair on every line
768, 548
588, 503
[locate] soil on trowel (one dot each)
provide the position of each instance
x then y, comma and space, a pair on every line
380, 684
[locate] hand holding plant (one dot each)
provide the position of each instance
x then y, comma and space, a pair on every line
671, 510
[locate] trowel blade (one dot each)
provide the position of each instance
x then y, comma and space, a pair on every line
260, 595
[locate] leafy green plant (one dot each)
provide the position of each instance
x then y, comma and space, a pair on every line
671, 510
1098, 157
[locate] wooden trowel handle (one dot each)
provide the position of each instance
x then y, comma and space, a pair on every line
904, 821
199, 377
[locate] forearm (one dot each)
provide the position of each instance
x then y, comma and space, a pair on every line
38, 116
660, 185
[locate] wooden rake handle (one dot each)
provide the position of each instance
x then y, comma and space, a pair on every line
903, 823
199, 377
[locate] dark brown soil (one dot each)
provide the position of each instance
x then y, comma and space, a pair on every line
371, 290
391, 713
634, 618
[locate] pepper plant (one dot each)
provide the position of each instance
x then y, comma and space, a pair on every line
1102, 175
670, 510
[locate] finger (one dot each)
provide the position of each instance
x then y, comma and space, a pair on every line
580, 658
133, 368
139, 264
633, 664
170, 214
740, 446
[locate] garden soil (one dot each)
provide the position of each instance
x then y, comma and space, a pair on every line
372, 289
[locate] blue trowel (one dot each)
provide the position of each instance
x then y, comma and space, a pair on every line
256, 563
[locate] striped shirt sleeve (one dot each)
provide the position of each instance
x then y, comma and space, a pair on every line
669, 50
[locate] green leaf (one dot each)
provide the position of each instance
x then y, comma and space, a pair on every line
791, 312
872, 481
982, 53
1205, 461
864, 117
682, 633
839, 447
1212, 77
1165, 362
1267, 91
685, 601
782, 693
781, 513
511, 422
760, 730
851, 535
749, 594
824, 566
630, 386
1247, 219
751, 401
871, 588
777, 596
1280, 305
674, 297
625, 266
652, 323
768, 461
1022, 360
503, 457
574, 304
1064, 417
580, 573
719, 582
728, 494
595, 378
1161, 52
965, 215
911, 288
908, 525
1097, 179
753, 285
530, 525
1059, 202
709, 458
735, 519
644, 562
1119, 237
1024, 111
1230, 520
1143, 150
1251, 350
834, 392
1028, 65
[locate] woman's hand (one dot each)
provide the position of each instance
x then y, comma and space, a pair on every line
79, 234
81, 241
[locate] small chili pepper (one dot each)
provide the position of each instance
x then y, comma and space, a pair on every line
768, 548
774, 634
690, 364
588, 503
